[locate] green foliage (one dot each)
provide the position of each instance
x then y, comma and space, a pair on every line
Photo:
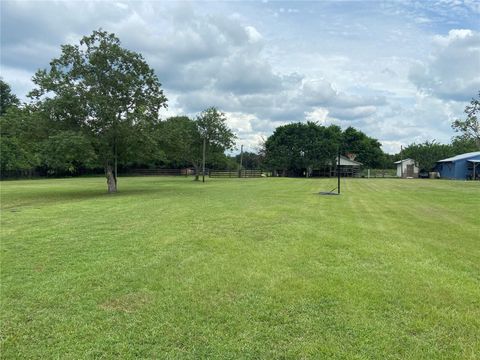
212, 126
181, 140
21, 131
7, 99
67, 150
368, 151
470, 127
428, 153
250, 160
16, 155
307, 145
107, 93
461, 145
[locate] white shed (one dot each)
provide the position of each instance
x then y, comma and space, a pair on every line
407, 168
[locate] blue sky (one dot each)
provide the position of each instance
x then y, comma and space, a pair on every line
399, 71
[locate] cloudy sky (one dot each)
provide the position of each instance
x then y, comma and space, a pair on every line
399, 71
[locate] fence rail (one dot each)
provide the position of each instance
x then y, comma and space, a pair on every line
159, 172
378, 173
235, 173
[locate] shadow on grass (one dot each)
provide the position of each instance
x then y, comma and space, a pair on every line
14, 203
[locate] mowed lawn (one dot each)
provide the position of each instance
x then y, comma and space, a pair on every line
233, 269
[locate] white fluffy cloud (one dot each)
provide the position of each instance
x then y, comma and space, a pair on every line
396, 72
453, 70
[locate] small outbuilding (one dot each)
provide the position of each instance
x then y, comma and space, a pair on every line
348, 168
461, 167
407, 168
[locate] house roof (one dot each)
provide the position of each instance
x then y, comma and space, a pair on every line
346, 161
461, 157
400, 161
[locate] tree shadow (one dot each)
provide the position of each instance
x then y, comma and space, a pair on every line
42, 198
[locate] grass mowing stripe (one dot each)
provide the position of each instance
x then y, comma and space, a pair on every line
240, 268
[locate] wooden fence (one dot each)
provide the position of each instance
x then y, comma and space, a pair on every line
235, 173
159, 172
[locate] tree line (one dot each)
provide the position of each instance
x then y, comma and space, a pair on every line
97, 107
426, 154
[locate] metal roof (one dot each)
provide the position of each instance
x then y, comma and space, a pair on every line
346, 161
461, 157
400, 161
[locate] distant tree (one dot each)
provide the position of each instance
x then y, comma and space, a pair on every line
368, 150
182, 139
470, 127
250, 160
428, 153
461, 145
301, 146
215, 134
7, 98
106, 93
21, 133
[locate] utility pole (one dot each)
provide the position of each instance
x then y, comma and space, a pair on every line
338, 171
241, 161
115, 151
401, 161
203, 165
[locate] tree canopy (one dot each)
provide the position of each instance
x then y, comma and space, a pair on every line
367, 150
469, 128
300, 146
104, 92
182, 138
7, 98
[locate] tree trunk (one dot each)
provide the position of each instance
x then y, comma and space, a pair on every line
111, 180
196, 167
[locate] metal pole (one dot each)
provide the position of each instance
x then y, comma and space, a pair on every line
401, 161
241, 161
338, 171
116, 186
203, 166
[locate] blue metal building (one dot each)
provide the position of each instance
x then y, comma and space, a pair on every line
460, 167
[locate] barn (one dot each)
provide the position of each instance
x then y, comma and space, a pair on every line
461, 167
406, 168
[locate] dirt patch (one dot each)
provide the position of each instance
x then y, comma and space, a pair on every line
127, 303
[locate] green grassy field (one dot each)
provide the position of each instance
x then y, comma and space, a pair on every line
254, 268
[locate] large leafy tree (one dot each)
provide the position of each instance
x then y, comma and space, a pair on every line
299, 146
105, 92
367, 150
470, 127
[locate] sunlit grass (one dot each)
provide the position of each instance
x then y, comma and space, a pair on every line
253, 268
